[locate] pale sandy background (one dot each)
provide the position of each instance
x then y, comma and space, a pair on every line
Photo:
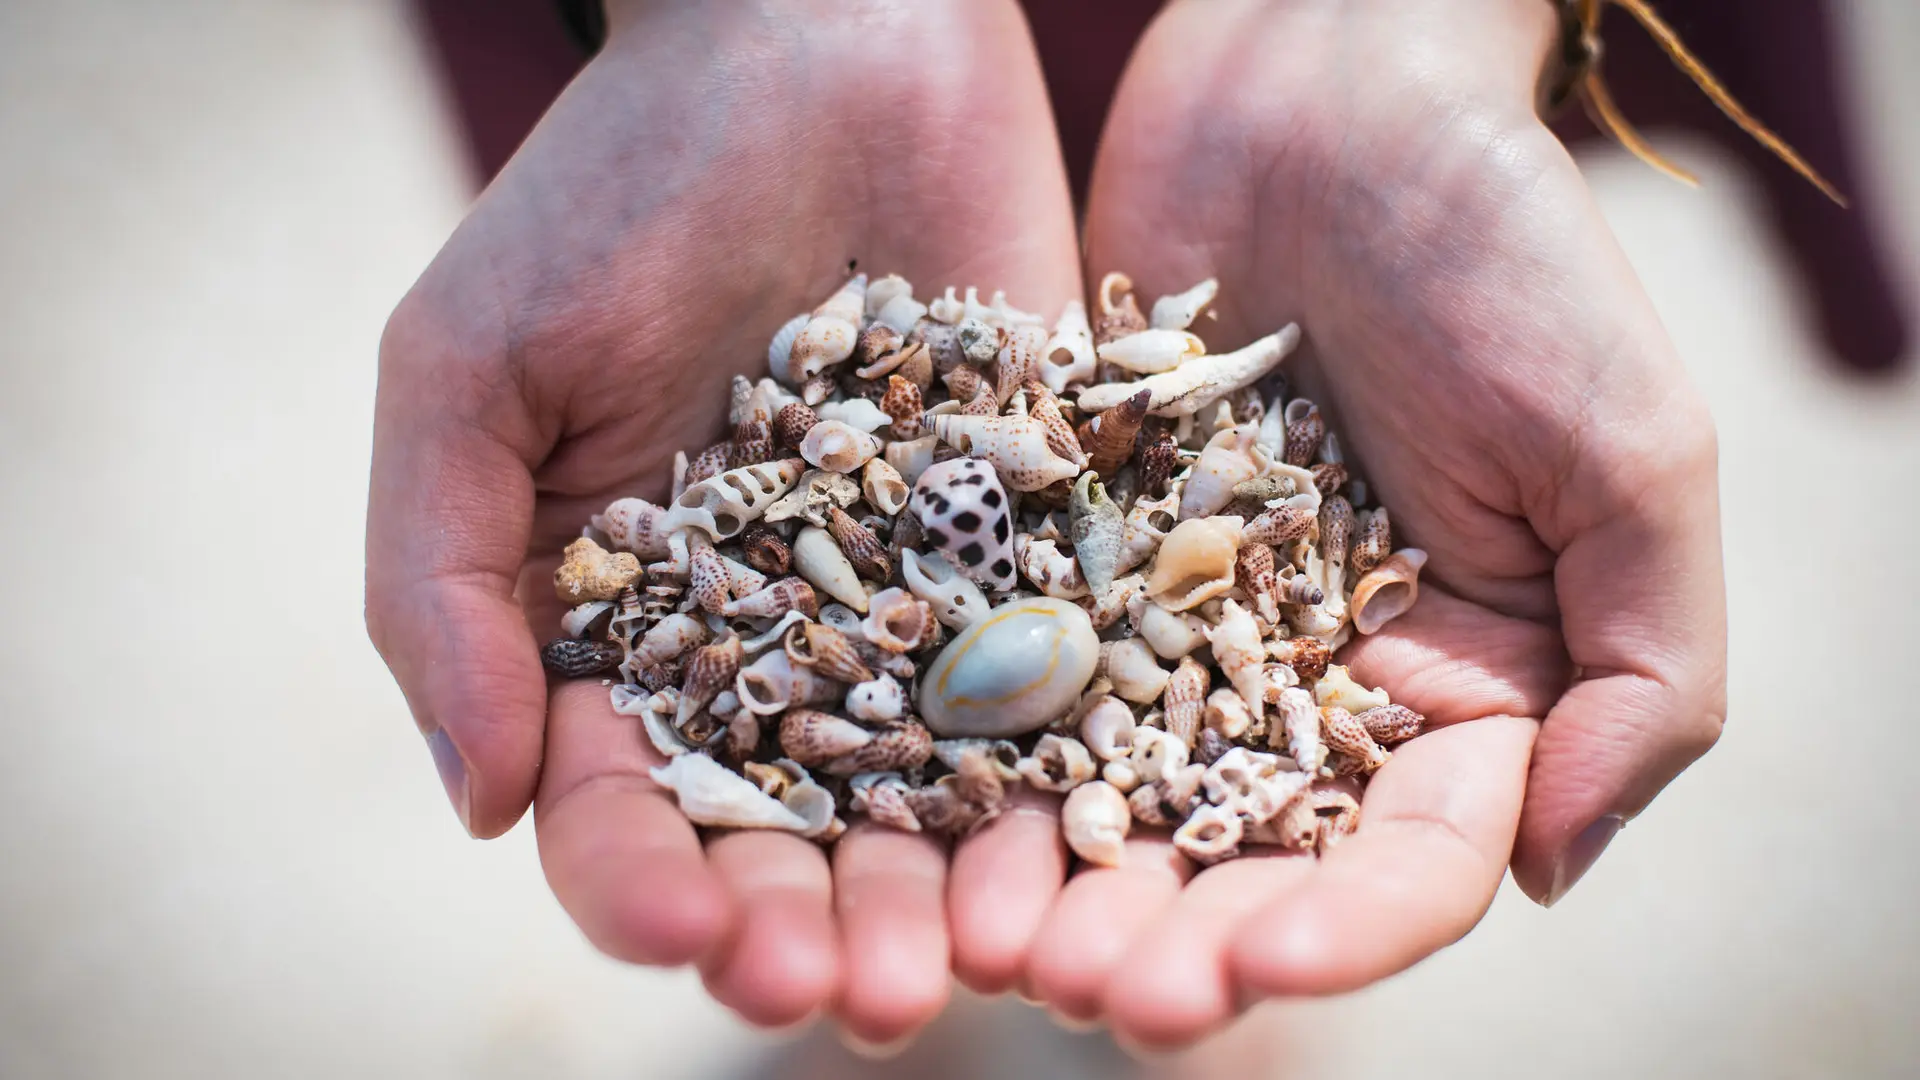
223, 852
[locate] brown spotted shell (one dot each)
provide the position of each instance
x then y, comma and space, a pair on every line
827, 651
574, 658
1390, 724
765, 551
1345, 734
895, 747
1304, 434
1119, 317
1307, 656
1372, 541
752, 442
791, 424
902, 404
1108, 437
710, 670
813, 738
1185, 700
710, 462
1159, 458
859, 544
1279, 524
1329, 476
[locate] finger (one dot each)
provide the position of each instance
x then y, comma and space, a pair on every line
1643, 609
1451, 660
1435, 831
449, 510
889, 899
782, 961
1004, 879
1174, 987
620, 857
1086, 935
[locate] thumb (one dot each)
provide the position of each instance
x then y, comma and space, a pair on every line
450, 507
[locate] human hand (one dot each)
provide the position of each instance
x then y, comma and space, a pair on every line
1375, 170
708, 175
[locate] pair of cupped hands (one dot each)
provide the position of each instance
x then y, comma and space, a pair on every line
1373, 169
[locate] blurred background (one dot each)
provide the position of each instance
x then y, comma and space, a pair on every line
223, 850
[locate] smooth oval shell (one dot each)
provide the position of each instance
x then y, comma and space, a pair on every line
1017, 670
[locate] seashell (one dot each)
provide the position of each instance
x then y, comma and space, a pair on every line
1292, 587
863, 549
884, 488
817, 490
1109, 437
955, 600
827, 337
711, 794
877, 700
903, 407
898, 622
743, 729
1345, 734
634, 525
1172, 634
1152, 351
1069, 355
902, 313
1144, 529
1106, 608
828, 652
775, 683
942, 341
858, 413
954, 807
1388, 591
1136, 676
1300, 728
1337, 687
1177, 311
1279, 524
1060, 436
1020, 360
895, 747
740, 400
883, 291
710, 669
1372, 541
1253, 785
814, 804
1107, 729
1390, 724
1227, 714
680, 468
1118, 317
1057, 764
837, 446
964, 512
669, 639
772, 635
1305, 430
1239, 652
878, 340
1329, 477
752, 442
1052, 572
1185, 700
818, 558
780, 349
1336, 529
1226, 462
579, 620
792, 422
1339, 815
1002, 755
1253, 574
813, 738
965, 384
1157, 755
911, 458
572, 658
1121, 774
764, 550
591, 572
1095, 820
979, 343
883, 798
844, 619
1159, 458
1211, 746
723, 505
1097, 530
708, 583
710, 462
1016, 447
781, 597
1315, 621
1307, 656
1195, 562
1201, 382
1016, 670
1296, 827
1250, 497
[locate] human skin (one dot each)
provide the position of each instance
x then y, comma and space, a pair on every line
1370, 168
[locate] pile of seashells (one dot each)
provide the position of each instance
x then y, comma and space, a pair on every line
946, 552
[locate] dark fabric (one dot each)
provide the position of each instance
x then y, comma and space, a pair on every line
587, 21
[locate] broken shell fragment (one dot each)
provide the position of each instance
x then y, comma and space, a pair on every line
1210, 834
1151, 351
827, 651
1129, 664
1176, 311
591, 572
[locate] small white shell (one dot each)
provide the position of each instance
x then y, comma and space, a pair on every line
711, 794
1002, 754
1210, 834
674, 636
1145, 528
1172, 634
1135, 674
656, 714
634, 525
837, 446
1016, 447
1151, 351
1069, 356
1177, 311
1226, 461
1057, 764
884, 488
1242, 656
877, 701
898, 621
724, 505
844, 619
1054, 573
911, 457
1198, 383
855, 413
818, 558
1095, 820
774, 683
1300, 728
1156, 754
1388, 591
772, 635
578, 620
1228, 714
1337, 689
780, 349
883, 291
956, 601
1121, 774
901, 313
1107, 729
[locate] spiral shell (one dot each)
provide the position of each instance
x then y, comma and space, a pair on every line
1044, 408
1176, 311
818, 558
710, 669
895, 747
634, 525
864, 551
783, 595
1307, 656
710, 462
1345, 734
1095, 821
670, 638
1171, 634
1057, 764
792, 422
1336, 529
1185, 700
813, 738
711, 794
752, 442
1253, 575
1117, 317
591, 572
764, 550
883, 798
836, 446
774, 683
1151, 351
878, 340
581, 620
1241, 655
1253, 785
898, 622
1159, 458
1129, 664
1305, 430
1195, 562
1016, 447
902, 404
1227, 461
573, 658
1388, 591
859, 413
828, 652
1295, 588
1097, 530
1107, 728
1227, 715
708, 583
1279, 524
1019, 360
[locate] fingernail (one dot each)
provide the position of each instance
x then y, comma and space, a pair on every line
873, 1051
453, 773
1582, 854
